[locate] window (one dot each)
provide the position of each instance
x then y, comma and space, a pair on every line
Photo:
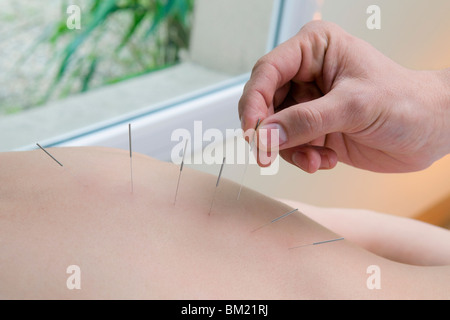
153, 62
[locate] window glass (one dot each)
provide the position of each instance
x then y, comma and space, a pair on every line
53, 49
71, 65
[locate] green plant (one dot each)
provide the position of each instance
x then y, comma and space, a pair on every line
155, 32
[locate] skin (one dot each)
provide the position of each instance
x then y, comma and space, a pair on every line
140, 245
333, 97
396, 238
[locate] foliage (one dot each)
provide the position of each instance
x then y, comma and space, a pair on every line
152, 32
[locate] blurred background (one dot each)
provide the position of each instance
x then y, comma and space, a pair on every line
136, 57
44, 60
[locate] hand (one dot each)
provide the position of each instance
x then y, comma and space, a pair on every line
336, 98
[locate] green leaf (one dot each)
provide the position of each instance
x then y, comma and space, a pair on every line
101, 13
90, 73
162, 11
138, 17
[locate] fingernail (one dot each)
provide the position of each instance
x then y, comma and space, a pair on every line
300, 159
325, 162
280, 135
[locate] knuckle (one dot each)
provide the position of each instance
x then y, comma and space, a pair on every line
320, 27
310, 121
356, 107
267, 67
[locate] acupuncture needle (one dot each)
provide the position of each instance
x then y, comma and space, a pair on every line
131, 156
49, 154
181, 169
246, 165
277, 219
217, 185
317, 243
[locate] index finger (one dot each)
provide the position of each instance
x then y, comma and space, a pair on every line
270, 73
301, 58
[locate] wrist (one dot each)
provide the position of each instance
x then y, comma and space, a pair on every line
430, 96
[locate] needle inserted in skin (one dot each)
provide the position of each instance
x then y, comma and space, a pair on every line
131, 156
217, 184
66, 169
276, 219
246, 165
181, 169
316, 243
49, 154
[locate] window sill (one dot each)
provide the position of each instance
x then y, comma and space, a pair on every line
58, 121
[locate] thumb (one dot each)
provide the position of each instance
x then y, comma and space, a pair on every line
304, 122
